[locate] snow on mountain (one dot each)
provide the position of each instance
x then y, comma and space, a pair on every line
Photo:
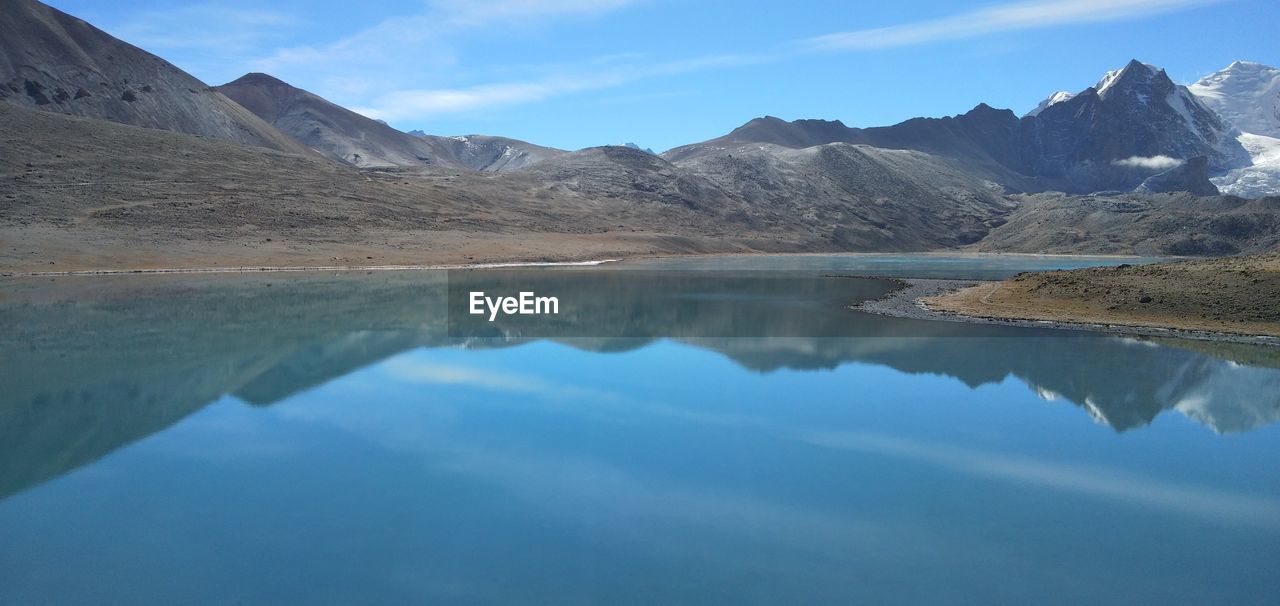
1057, 97
1246, 94
1138, 111
1260, 179
1109, 79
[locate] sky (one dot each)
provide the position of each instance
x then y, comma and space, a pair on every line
662, 73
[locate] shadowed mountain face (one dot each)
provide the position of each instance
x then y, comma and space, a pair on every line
55, 62
346, 136
1078, 144
94, 364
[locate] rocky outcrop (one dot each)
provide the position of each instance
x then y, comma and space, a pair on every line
1192, 177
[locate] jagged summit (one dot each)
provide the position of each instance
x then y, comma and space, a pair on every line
1134, 74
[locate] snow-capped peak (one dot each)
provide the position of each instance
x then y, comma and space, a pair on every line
1246, 94
1055, 98
1134, 70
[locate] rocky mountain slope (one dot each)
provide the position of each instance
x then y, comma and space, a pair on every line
81, 193
348, 137
866, 198
55, 62
1165, 224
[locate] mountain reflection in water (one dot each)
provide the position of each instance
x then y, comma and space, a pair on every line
92, 364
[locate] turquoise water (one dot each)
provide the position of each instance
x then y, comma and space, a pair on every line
321, 438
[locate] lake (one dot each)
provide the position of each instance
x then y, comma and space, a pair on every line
714, 430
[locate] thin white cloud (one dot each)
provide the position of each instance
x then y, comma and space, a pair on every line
1199, 501
425, 38
203, 27
1149, 162
211, 41
472, 13
425, 103
382, 70
417, 371
1001, 18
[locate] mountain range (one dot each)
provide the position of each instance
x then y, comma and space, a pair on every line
771, 184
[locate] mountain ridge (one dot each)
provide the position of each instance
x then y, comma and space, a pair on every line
348, 137
1070, 144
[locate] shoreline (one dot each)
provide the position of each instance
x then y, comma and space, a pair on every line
905, 302
300, 268
504, 264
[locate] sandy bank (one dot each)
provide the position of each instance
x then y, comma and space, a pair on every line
1226, 299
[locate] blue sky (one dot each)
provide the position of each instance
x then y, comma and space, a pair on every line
576, 73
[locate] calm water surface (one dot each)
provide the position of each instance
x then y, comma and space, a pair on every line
727, 433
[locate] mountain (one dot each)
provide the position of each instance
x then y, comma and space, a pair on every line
1246, 95
1101, 138
1178, 224
349, 137
1106, 136
55, 62
864, 197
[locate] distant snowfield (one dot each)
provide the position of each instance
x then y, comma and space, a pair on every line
1260, 179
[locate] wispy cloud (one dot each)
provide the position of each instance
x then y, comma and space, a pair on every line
1200, 501
471, 13
1000, 18
425, 103
426, 38
205, 27
381, 69
1150, 163
212, 41
410, 66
